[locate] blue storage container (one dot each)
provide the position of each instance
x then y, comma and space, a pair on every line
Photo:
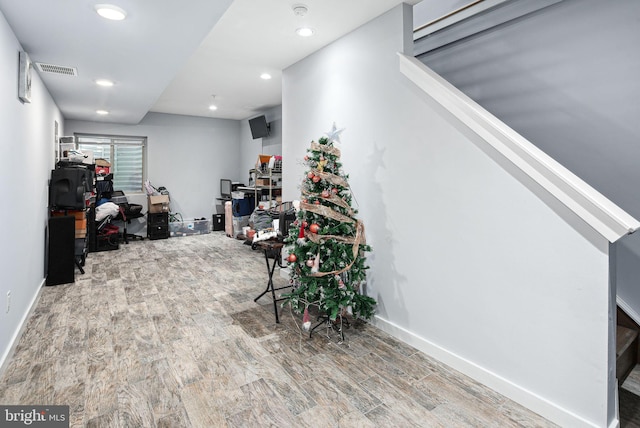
242, 207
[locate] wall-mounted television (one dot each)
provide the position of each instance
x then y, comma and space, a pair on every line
259, 127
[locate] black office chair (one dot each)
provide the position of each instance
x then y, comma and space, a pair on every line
127, 213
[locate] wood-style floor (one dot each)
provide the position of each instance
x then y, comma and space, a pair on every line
629, 399
166, 334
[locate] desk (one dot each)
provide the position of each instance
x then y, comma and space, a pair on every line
273, 247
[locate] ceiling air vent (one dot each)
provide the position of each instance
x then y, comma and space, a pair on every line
57, 69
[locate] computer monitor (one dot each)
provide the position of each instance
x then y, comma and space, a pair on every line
225, 188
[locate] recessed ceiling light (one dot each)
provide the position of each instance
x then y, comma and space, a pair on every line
213, 106
304, 32
102, 112
110, 11
265, 76
104, 82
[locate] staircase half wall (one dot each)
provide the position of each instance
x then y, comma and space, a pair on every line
476, 260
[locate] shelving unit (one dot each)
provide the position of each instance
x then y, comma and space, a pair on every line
263, 183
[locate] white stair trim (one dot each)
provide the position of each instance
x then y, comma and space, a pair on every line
600, 213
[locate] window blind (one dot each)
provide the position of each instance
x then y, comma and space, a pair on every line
125, 154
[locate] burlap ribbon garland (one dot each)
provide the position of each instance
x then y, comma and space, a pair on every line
333, 199
317, 239
323, 148
356, 240
331, 178
326, 212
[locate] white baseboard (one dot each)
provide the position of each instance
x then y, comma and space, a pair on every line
616, 422
499, 384
8, 353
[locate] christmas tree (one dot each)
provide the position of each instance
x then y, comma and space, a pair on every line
326, 243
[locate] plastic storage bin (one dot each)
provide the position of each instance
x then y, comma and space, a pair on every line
189, 227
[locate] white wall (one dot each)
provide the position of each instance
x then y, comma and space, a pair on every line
271, 145
27, 135
187, 155
470, 263
569, 92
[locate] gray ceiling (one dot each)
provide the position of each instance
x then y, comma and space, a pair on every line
176, 57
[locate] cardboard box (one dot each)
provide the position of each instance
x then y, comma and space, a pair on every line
103, 170
263, 182
158, 204
78, 214
81, 228
103, 167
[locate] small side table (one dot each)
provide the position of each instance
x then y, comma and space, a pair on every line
274, 248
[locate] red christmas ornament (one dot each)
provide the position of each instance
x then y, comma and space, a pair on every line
325, 193
314, 228
310, 262
306, 157
317, 202
292, 258
304, 224
310, 175
334, 191
316, 179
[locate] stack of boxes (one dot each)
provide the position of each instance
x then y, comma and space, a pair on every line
263, 181
81, 223
103, 167
158, 217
